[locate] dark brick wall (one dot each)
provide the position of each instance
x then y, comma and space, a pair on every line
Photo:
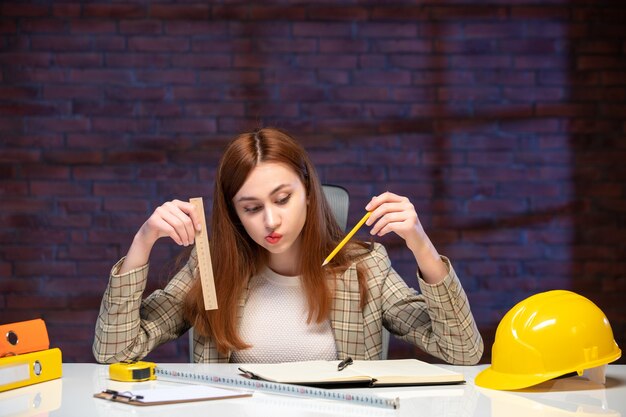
503, 121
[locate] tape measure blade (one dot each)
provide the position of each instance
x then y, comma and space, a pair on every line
204, 258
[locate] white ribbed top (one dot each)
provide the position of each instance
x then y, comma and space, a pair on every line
274, 323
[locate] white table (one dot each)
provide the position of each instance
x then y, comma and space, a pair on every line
72, 395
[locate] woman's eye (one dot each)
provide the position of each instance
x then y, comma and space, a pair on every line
253, 209
284, 200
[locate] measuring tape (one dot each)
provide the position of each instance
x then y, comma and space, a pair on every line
132, 371
284, 389
204, 259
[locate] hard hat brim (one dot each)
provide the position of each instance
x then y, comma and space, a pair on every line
489, 378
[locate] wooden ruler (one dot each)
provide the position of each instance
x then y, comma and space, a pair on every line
204, 259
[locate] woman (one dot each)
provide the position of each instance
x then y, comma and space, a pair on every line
271, 229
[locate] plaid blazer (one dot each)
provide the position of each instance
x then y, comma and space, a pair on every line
437, 320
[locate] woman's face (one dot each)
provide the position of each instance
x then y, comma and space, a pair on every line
271, 205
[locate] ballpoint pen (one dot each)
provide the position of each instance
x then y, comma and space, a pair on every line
344, 363
347, 238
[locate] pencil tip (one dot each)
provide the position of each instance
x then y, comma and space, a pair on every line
325, 263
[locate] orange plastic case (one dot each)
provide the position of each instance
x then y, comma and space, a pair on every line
23, 337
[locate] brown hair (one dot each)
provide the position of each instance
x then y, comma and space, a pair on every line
236, 257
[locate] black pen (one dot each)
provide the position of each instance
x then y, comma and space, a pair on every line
344, 363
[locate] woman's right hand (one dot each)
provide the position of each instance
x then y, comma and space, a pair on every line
176, 219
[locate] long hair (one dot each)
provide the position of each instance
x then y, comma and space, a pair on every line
236, 257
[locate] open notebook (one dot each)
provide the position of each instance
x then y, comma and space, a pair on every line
371, 373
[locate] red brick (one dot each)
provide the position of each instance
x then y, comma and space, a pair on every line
116, 11
269, 12
134, 60
142, 27
233, 47
302, 93
32, 268
59, 43
387, 30
85, 252
109, 43
390, 78
131, 204
333, 46
229, 77
180, 11
66, 10
465, 46
517, 94
537, 126
30, 59
34, 109
381, 110
34, 74
57, 188
338, 13
190, 125
545, 62
73, 205
112, 189
368, 61
177, 28
550, 13
73, 157
18, 9
289, 76
20, 155
327, 61
483, 61
158, 44
402, 46
203, 61
8, 27
468, 93
14, 188
17, 93
101, 75
93, 27
468, 12
97, 108
119, 124
136, 93
70, 92
79, 60
393, 12
137, 157
157, 109
40, 171
614, 77
321, 29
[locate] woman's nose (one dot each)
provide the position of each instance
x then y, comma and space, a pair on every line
272, 218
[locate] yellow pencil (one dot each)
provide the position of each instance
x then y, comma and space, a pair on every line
347, 238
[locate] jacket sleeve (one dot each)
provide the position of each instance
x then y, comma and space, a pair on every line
438, 320
128, 328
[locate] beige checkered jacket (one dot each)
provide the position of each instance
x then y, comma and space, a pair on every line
438, 320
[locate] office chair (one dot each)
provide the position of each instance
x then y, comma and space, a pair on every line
339, 201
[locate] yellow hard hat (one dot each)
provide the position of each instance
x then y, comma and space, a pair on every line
547, 335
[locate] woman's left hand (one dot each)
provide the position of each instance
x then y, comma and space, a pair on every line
395, 213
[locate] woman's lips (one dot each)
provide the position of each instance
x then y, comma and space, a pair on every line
273, 238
